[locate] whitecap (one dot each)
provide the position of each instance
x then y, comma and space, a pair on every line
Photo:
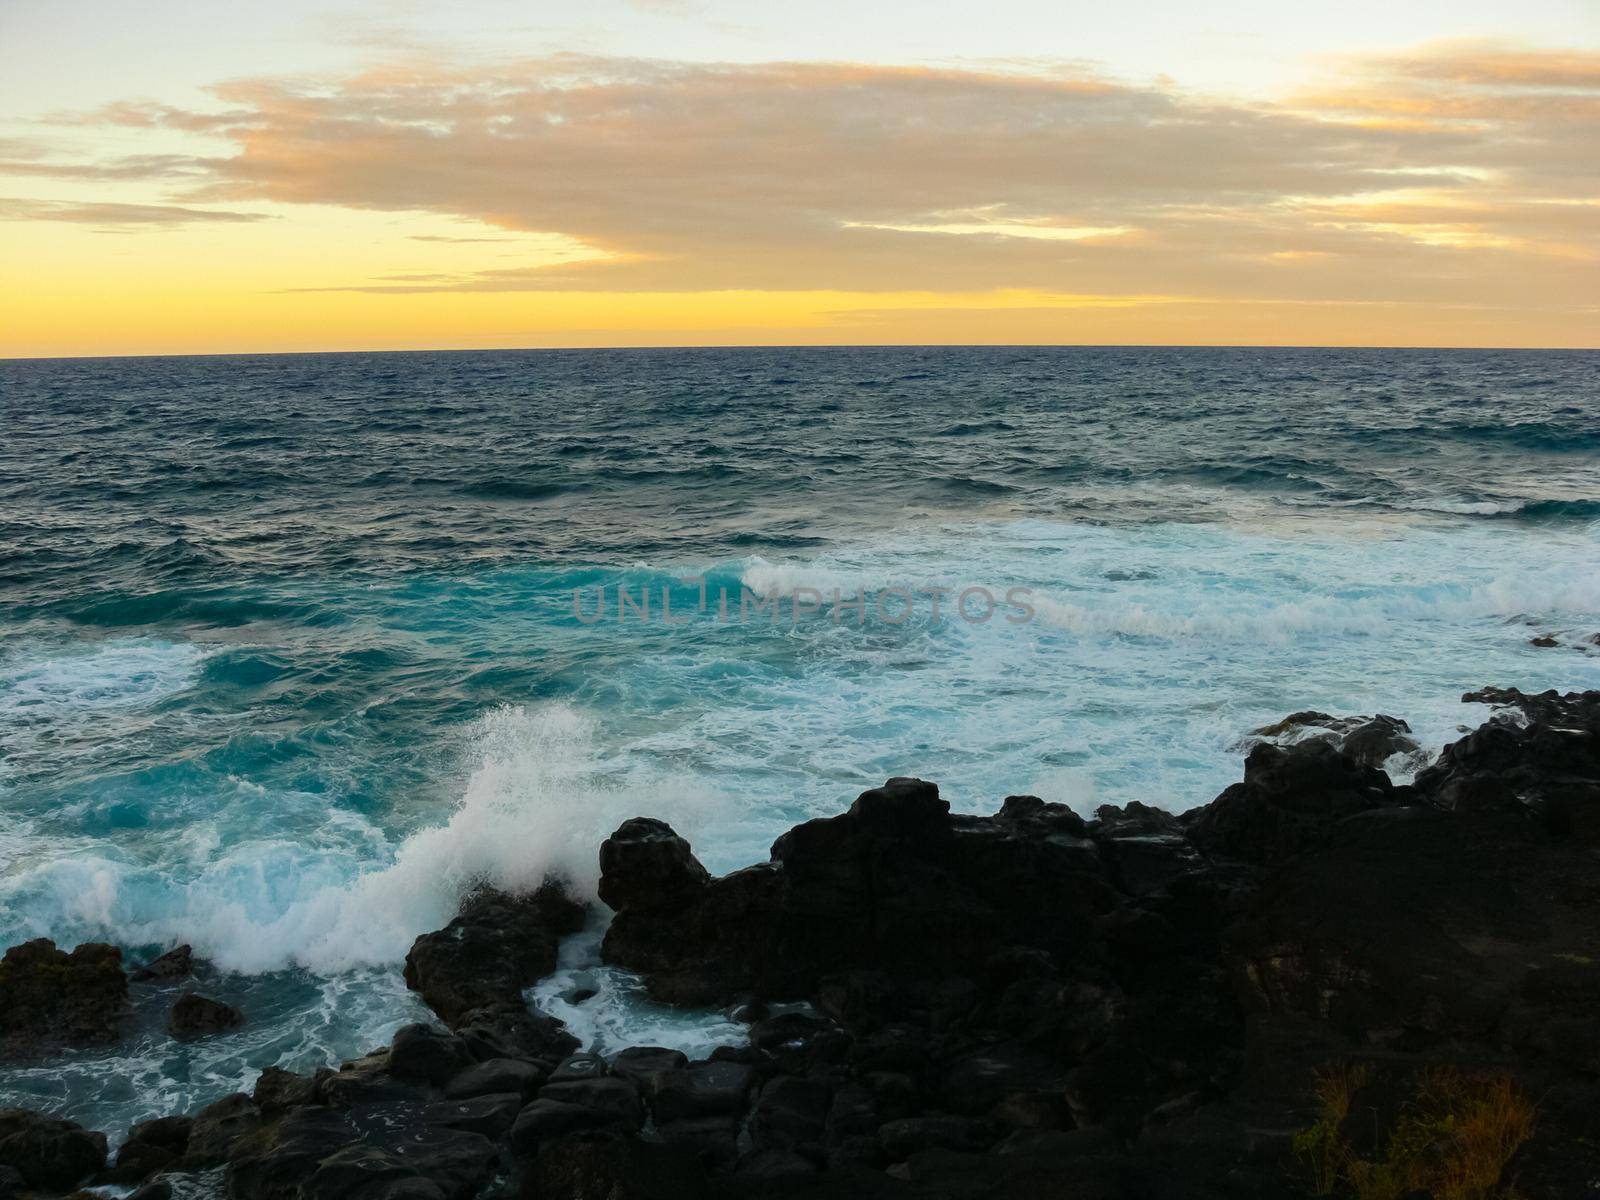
538, 804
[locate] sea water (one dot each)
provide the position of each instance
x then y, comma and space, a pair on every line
298, 648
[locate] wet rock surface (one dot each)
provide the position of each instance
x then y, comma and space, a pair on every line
50, 998
1026, 1004
177, 963
472, 972
194, 1015
47, 1154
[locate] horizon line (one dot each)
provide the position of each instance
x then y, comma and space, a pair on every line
672, 346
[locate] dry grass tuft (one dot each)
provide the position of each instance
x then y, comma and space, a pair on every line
1452, 1139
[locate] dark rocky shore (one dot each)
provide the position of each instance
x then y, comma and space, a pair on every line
1319, 983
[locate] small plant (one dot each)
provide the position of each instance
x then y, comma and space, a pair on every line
1322, 1147
1452, 1138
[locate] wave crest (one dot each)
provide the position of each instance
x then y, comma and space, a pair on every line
538, 803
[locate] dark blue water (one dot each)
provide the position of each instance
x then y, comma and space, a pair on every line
291, 654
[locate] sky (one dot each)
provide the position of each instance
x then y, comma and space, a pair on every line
178, 177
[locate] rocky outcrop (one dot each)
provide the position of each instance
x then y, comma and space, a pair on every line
50, 998
895, 884
1369, 741
194, 1015
472, 973
47, 1154
1538, 757
1290, 800
1029, 1003
177, 963
152, 1147
1003, 986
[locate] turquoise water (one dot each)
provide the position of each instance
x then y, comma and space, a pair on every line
292, 655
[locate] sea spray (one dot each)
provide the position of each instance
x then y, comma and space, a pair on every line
539, 802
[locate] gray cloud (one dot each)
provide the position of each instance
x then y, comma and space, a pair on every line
114, 216
1433, 177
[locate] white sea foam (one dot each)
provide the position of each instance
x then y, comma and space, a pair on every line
539, 803
1278, 621
785, 579
607, 1009
81, 682
1470, 508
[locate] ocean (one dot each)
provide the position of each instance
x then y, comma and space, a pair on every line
297, 648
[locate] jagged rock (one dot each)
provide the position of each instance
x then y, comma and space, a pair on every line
546, 1120
617, 1169
714, 1141
1416, 921
646, 865
980, 1080
277, 1089
790, 1112
156, 1189
47, 1153
1289, 801
490, 1114
579, 1066
177, 963
646, 1066
457, 1161
472, 972
549, 1119
424, 1054
1547, 765
516, 1033
1369, 741
901, 1139
49, 997
575, 1106
368, 1080
792, 1029
1297, 722
1054, 819
852, 1111
152, 1146
896, 883
614, 1100
194, 1015
894, 1047
798, 1043
275, 1161
1132, 820
1144, 851
776, 1163
702, 1089
217, 1127
497, 1075
701, 951
1375, 742
316, 1153
353, 1170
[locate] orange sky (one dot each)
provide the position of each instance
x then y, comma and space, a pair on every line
429, 196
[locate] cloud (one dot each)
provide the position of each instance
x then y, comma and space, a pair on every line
1549, 98
1424, 177
1493, 66
117, 216
21, 159
439, 237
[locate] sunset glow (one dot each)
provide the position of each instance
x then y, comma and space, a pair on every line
547, 184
